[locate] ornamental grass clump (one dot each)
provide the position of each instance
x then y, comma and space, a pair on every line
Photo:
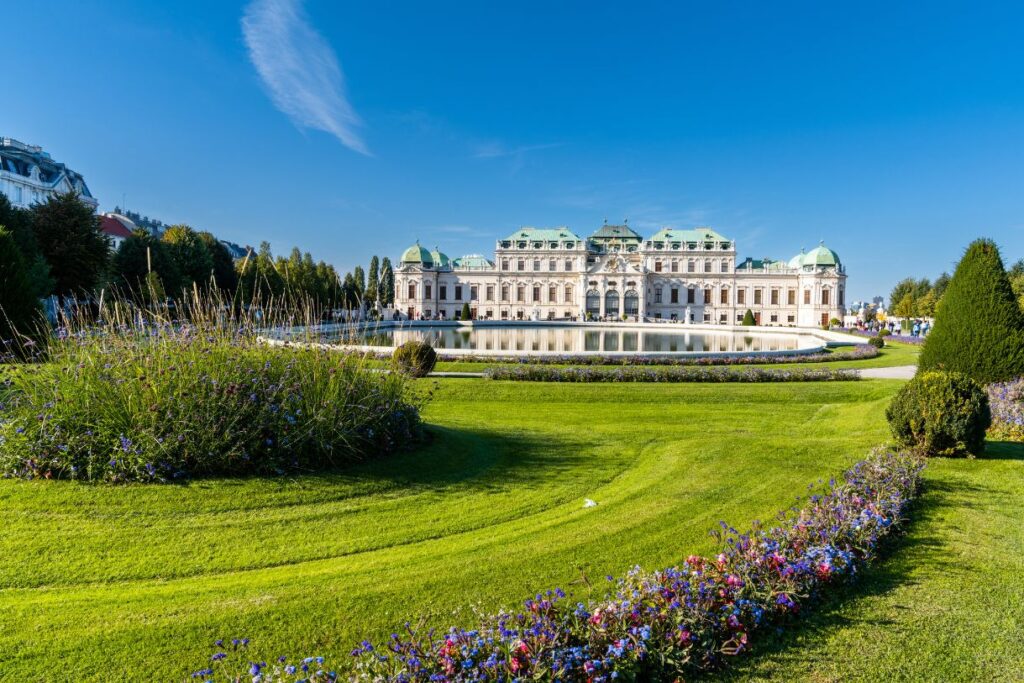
414, 359
137, 397
662, 625
940, 413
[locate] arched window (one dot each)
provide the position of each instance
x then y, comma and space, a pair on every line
593, 302
631, 302
611, 303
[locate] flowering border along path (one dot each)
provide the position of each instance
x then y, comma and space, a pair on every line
633, 373
654, 625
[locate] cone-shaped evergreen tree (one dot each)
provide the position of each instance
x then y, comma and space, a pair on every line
748, 318
979, 327
466, 313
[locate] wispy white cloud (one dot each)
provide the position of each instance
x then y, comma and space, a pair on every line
300, 70
497, 150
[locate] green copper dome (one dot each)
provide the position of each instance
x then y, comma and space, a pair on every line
417, 255
440, 260
798, 260
821, 256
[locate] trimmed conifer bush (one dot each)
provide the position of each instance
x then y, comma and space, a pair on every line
979, 326
414, 358
940, 413
466, 314
748, 319
19, 307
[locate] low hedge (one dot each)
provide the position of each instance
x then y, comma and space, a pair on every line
861, 352
547, 373
662, 625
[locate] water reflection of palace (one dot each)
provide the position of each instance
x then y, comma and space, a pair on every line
590, 339
685, 275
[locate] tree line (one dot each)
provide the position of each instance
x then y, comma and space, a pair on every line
912, 298
57, 248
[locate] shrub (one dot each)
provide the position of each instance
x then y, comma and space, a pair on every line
548, 373
748, 319
466, 314
877, 342
152, 401
835, 322
979, 326
940, 413
1006, 400
19, 308
414, 358
884, 332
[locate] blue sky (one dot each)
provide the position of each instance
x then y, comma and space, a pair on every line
349, 129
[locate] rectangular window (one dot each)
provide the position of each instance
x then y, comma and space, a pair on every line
707, 293
707, 266
791, 297
741, 296
552, 265
504, 264
842, 297
458, 292
691, 295
775, 297
690, 266
725, 296
504, 292
521, 265
657, 295
536, 264
412, 290
426, 290
675, 295
807, 296
568, 265
536, 294
757, 296
790, 319
490, 294
775, 317
552, 294
675, 266
825, 297
443, 292
657, 266
520, 293
474, 293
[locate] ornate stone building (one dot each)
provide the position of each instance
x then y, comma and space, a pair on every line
28, 175
685, 275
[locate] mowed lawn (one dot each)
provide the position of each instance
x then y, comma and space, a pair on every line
136, 582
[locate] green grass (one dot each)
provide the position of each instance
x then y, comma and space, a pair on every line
135, 582
893, 355
948, 605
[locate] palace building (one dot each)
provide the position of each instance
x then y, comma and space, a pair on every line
684, 275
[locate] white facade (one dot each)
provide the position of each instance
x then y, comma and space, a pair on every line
28, 175
683, 275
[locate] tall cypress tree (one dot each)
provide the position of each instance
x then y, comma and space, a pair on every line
387, 282
979, 327
373, 280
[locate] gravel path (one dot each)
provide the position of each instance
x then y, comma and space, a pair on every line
898, 372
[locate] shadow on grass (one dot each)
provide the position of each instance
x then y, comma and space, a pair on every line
1003, 450
917, 551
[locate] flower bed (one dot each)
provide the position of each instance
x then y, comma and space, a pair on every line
547, 373
1006, 400
860, 352
664, 624
905, 339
